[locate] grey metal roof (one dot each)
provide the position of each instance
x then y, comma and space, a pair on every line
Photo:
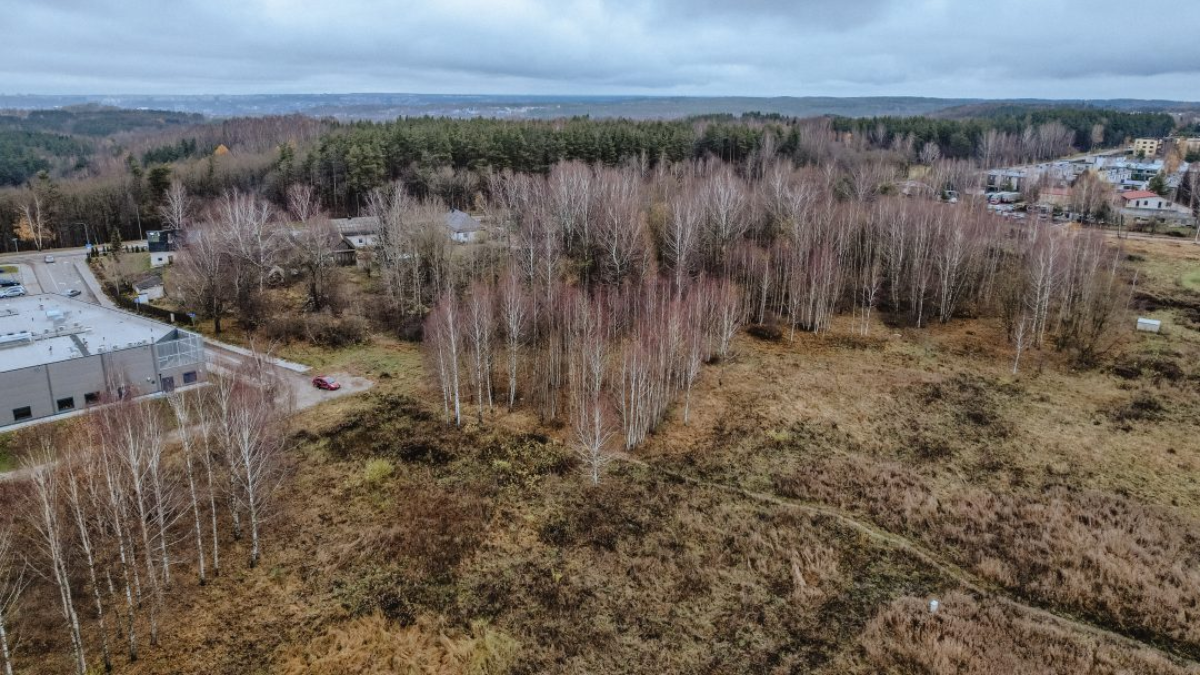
358, 225
50, 328
460, 222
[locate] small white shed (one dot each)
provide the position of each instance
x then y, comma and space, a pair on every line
1149, 325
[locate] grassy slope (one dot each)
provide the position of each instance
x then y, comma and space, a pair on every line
486, 547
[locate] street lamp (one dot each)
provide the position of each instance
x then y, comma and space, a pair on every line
16, 245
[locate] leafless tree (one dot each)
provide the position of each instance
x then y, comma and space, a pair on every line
302, 202
515, 314
694, 349
868, 267
478, 324
1093, 295
113, 504
134, 436
569, 189
203, 274
207, 449
257, 443
81, 467
12, 583
413, 245
252, 235
930, 153
725, 204
34, 224
1020, 339
176, 209
185, 424
1043, 266
46, 519
725, 312
442, 334
620, 230
313, 248
681, 237
587, 367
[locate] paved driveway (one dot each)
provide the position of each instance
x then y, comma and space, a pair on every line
303, 393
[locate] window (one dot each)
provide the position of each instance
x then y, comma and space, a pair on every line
22, 413
67, 403
92, 398
189, 377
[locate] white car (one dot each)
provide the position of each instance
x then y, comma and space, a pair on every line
49, 259
12, 292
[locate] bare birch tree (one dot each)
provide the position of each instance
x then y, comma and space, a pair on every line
515, 315
177, 206
12, 583
46, 519
185, 424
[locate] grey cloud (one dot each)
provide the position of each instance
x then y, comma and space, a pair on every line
1067, 48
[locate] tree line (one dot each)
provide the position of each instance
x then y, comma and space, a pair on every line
1011, 134
452, 159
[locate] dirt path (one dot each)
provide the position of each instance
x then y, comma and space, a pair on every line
899, 542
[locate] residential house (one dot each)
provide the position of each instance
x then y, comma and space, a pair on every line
162, 245
1149, 205
360, 236
463, 228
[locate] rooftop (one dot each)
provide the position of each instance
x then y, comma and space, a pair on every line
1139, 194
359, 225
458, 221
39, 329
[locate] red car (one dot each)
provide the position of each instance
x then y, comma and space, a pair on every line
327, 383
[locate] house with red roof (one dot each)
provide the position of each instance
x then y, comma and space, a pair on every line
1147, 204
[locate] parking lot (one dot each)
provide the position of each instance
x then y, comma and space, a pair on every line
60, 277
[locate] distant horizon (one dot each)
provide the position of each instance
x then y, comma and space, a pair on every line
501, 95
391, 105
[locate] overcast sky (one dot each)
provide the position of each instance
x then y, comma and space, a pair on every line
950, 48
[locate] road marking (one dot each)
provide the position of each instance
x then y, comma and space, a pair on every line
50, 272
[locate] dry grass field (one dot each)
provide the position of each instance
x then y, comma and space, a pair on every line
824, 492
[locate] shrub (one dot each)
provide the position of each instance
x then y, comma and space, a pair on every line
377, 471
1144, 406
766, 331
318, 329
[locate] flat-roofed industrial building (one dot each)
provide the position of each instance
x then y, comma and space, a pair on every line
58, 354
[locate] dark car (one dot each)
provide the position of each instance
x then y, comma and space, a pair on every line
327, 383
